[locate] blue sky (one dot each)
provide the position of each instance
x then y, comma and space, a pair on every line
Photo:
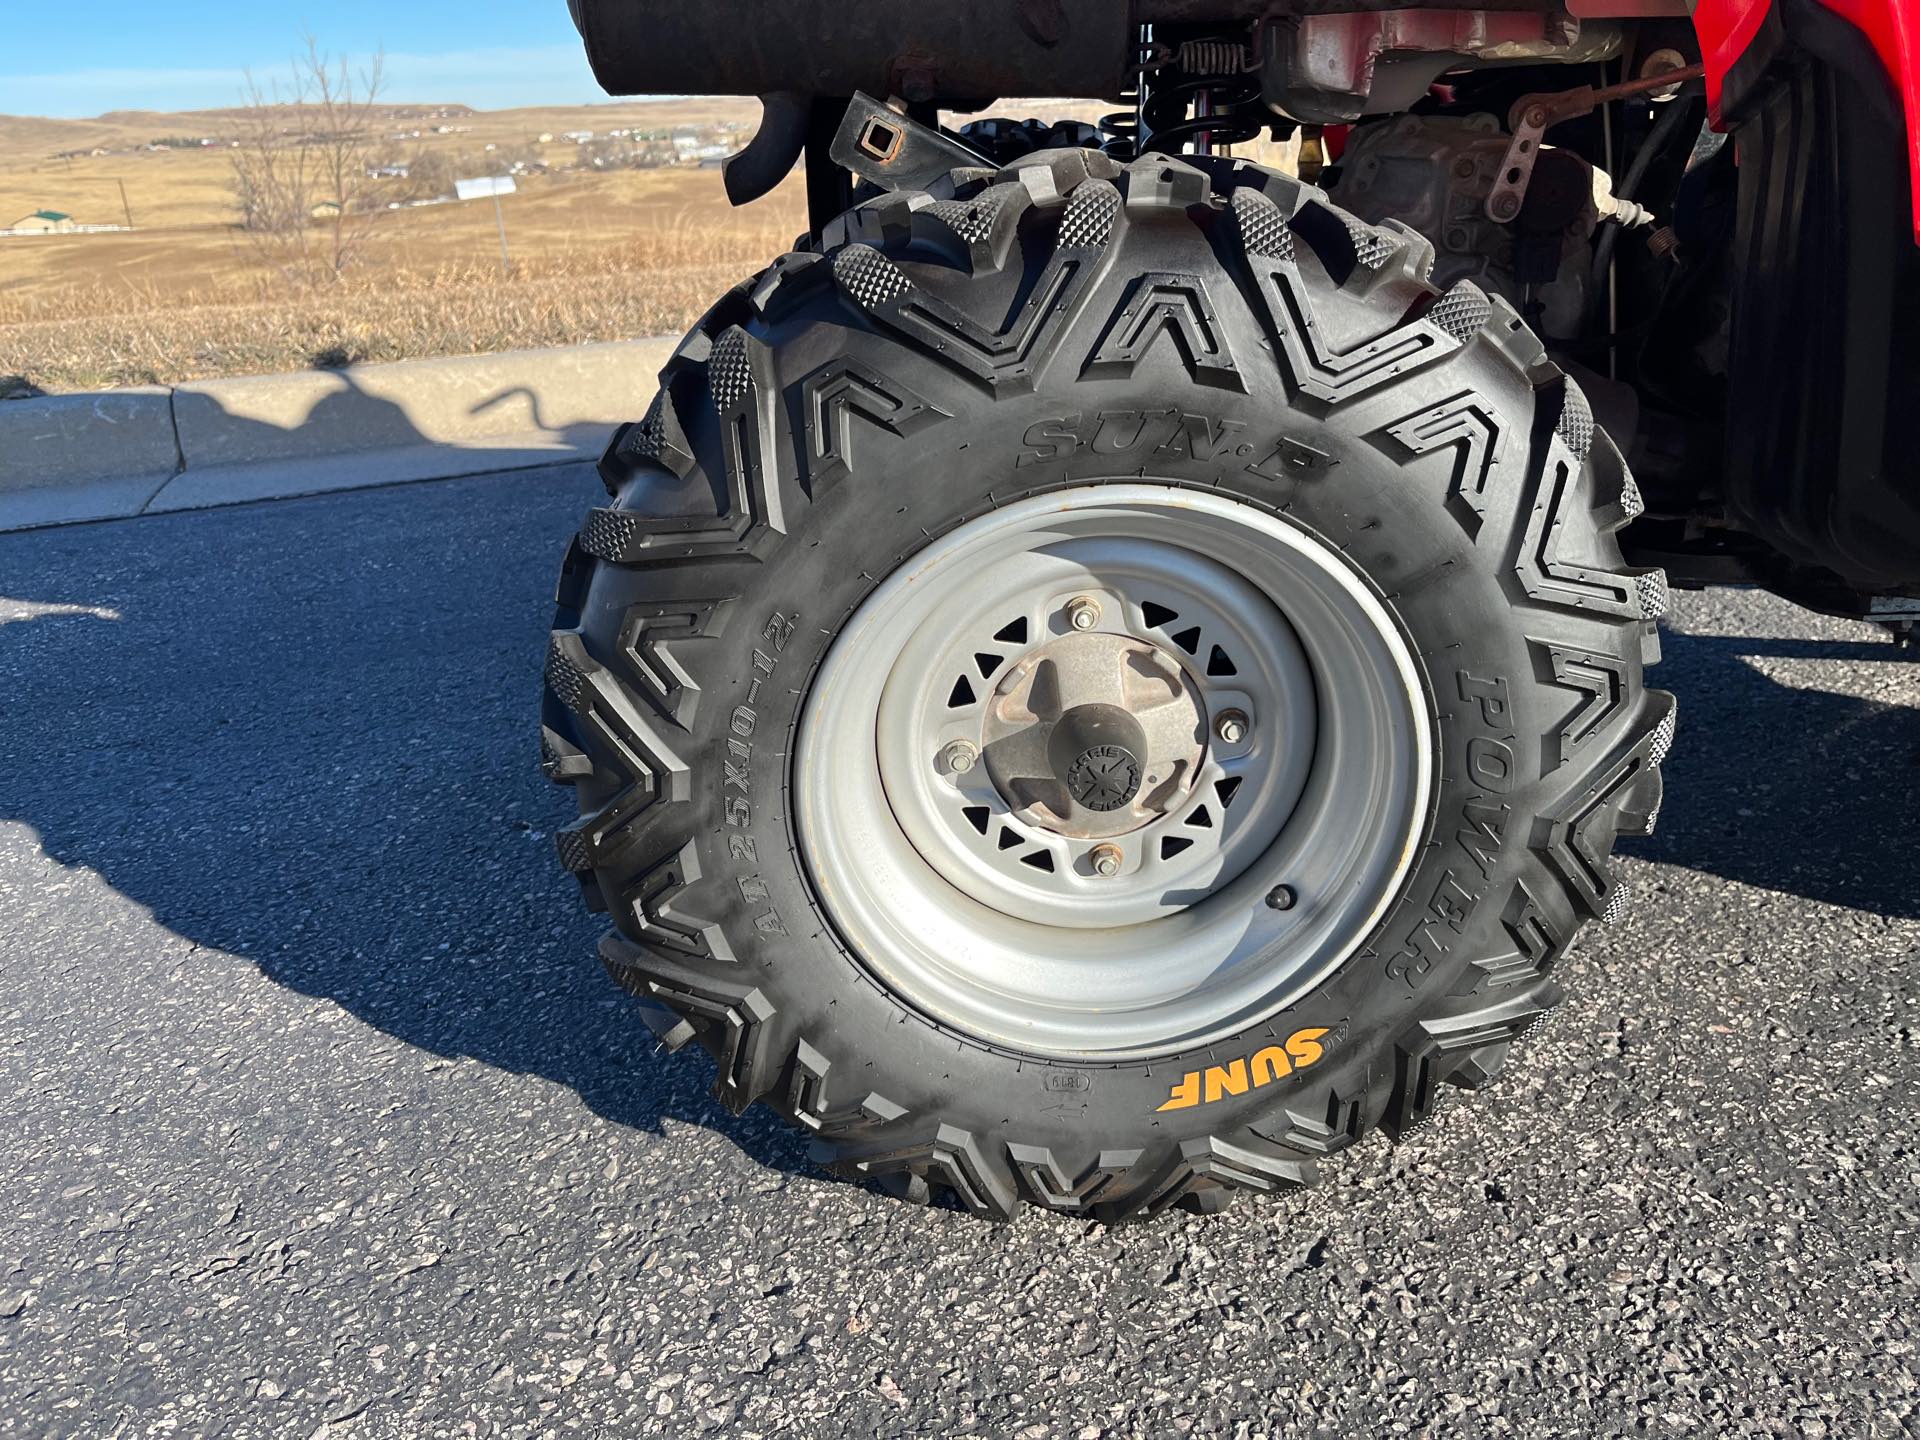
81, 57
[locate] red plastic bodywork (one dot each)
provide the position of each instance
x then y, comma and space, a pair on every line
1727, 27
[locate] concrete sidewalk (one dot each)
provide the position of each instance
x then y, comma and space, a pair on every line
119, 453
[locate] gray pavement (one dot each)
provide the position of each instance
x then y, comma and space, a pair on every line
319, 1119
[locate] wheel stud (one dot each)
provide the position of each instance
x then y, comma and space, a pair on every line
1281, 897
956, 758
1106, 860
1231, 727
1083, 612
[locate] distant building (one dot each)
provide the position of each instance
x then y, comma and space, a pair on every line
45, 222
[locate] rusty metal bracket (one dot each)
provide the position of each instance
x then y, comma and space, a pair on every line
1533, 115
888, 149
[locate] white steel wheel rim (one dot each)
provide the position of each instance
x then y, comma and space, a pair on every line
1006, 930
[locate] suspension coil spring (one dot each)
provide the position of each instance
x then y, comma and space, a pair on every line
1212, 109
1198, 92
1122, 127
1214, 57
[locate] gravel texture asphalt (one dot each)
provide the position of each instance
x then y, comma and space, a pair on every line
321, 1120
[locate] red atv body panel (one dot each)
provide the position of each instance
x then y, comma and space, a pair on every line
1728, 28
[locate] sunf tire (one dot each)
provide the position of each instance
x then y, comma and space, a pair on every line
939, 358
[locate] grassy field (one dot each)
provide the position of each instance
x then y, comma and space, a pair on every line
597, 255
134, 333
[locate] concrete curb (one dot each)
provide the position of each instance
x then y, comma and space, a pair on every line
84, 457
120, 453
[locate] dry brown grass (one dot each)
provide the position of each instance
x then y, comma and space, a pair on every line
596, 256
98, 334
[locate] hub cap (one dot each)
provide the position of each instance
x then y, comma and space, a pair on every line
1048, 773
1094, 734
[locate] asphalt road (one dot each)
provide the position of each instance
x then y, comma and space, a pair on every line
319, 1119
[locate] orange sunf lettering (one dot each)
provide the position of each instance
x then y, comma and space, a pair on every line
1271, 1064
1226, 1080
1186, 1093
1268, 1064
1304, 1045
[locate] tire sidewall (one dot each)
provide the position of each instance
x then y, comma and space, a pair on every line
1335, 476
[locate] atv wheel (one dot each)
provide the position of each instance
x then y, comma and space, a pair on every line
1098, 686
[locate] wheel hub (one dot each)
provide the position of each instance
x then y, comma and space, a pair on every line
1094, 734
1050, 773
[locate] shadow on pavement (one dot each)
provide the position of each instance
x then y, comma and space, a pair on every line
308, 739
355, 433
305, 734
1797, 790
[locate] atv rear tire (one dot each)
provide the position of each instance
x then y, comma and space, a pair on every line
1162, 342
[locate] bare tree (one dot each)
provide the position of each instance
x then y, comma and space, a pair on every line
305, 169
272, 183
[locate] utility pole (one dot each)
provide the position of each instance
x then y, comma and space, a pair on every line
124, 206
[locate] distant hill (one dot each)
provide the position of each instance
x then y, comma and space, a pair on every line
32, 134
38, 136
31, 138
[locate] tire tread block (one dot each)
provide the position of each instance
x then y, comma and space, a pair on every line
733, 1021
1314, 367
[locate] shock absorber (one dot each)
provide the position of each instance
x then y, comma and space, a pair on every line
1200, 93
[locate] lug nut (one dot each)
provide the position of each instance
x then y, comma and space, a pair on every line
1281, 897
1231, 727
1106, 860
1083, 612
956, 758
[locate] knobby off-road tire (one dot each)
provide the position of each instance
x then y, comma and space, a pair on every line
1205, 326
